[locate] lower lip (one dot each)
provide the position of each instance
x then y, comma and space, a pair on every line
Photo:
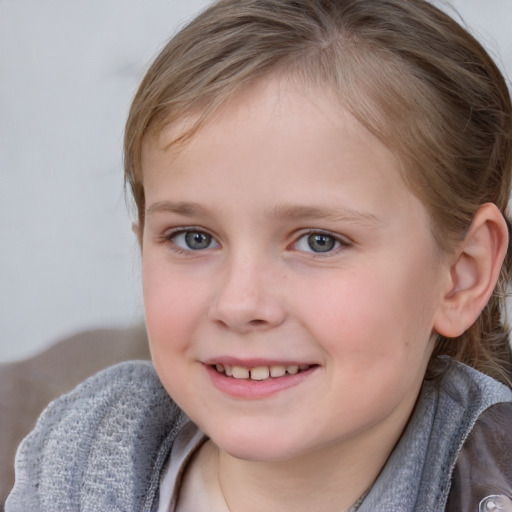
254, 389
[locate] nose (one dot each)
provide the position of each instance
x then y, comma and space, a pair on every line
249, 297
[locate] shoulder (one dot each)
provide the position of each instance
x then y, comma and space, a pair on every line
458, 398
469, 388
101, 443
483, 473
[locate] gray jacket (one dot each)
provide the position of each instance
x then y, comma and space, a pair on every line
101, 448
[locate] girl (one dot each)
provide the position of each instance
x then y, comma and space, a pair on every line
321, 189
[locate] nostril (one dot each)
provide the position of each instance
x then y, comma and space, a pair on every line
257, 322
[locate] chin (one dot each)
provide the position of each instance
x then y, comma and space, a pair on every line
257, 454
256, 447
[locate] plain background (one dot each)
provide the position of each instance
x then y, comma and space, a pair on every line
68, 71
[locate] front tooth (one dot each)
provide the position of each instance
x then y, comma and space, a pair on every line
240, 373
228, 370
277, 370
260, 373
292, 369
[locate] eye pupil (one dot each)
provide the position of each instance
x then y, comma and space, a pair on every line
196, 240
321, 243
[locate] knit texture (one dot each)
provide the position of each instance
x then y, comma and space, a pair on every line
99, 448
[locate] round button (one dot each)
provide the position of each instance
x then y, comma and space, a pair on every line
495, 503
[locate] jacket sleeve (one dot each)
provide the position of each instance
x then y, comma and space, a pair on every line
482, 479
100, 447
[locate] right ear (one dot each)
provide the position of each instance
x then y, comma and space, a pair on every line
137, 232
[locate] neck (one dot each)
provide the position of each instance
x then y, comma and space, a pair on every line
331, 479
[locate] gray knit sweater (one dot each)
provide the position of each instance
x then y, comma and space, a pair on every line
101, 448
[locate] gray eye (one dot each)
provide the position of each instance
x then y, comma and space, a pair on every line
193, 240
319, 242
196, 240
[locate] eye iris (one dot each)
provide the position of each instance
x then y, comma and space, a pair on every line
321, 243
197, 240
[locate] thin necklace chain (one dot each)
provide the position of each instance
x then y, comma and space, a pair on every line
218, 481
353, 508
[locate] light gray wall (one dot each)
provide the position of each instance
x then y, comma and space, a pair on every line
68, 70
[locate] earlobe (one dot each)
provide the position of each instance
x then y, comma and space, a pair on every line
474, 273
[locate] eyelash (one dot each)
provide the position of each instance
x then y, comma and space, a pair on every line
339, 243
170, 238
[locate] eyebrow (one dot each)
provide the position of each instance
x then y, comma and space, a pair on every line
182, 208
320, 213
288, 212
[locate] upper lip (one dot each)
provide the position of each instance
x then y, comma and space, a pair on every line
254, 362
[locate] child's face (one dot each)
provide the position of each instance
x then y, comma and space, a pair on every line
282, 235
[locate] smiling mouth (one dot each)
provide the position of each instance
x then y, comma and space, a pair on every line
260, 373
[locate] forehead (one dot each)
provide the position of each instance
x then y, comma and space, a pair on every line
290, 143
277, 103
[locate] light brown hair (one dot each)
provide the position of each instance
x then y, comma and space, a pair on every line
410, 74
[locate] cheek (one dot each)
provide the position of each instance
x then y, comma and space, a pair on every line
368, 317
171, 305
345, 309
170, 322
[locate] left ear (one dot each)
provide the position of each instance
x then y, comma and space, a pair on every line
474, 273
